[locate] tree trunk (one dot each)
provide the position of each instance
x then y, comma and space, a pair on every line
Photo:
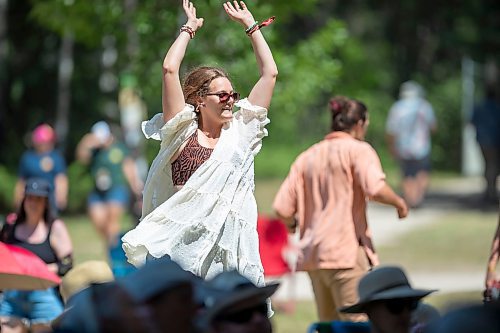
132, 46
64, 88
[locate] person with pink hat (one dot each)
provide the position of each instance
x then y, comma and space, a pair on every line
43, 161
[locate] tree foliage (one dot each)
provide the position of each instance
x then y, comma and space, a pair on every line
363, 49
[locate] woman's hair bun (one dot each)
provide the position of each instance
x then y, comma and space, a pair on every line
335, 105
338, 104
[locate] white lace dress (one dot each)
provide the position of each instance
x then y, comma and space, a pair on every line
209, 225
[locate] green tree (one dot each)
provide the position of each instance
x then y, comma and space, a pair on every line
362, 49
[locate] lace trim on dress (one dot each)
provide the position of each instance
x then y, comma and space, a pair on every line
204, 249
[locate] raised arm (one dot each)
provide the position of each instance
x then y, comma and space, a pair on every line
172, 95
85, 147
263, 90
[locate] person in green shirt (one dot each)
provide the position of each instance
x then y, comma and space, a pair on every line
115, 177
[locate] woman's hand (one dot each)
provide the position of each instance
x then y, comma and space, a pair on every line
192, 21
239, 13
402, 209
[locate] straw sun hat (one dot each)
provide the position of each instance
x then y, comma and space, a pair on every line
83, 275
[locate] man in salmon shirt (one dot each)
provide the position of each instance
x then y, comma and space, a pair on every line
326, 192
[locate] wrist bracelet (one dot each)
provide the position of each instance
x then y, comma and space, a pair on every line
189, 30
247, 30
254, 29
256, 26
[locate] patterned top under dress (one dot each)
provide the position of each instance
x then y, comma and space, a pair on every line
209, 225
192, 156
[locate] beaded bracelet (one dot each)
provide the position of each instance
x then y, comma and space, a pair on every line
256, 26
189, 30
250, 28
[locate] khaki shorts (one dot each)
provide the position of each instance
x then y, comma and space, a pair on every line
335, 288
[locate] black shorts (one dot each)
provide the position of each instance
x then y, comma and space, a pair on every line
411, 167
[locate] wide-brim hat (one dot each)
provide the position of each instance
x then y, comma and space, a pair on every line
79, 314
384, 283
230, 292
154, 278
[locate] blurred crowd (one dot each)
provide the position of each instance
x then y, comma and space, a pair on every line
97, 296
320, 224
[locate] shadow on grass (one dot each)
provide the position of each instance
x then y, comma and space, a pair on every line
459, 201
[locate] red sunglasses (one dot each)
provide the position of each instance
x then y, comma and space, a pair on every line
224, 96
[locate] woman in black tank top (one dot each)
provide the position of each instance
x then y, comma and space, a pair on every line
37, 231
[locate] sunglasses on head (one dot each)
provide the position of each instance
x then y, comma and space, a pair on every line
224, 96
397, 306
244, 315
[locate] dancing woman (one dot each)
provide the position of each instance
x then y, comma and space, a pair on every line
199, 207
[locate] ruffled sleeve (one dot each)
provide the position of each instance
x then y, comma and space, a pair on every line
151, 128
252, 120
158, 187
157, 129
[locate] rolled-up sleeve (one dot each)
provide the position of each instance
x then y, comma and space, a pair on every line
368, 170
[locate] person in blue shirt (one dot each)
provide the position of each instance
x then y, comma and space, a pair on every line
43, 161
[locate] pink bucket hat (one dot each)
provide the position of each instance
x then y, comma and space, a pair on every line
43, 134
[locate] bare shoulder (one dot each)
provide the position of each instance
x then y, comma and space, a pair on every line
58, 226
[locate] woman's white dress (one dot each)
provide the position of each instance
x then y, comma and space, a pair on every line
209, 225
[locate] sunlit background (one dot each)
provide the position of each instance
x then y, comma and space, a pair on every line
71, 63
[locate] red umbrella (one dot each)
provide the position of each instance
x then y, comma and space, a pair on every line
22, 269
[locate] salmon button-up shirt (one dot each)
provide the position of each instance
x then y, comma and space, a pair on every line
326, 190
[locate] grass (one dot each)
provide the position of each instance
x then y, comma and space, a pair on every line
298, 322
458, 241
87, 243
265, 190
